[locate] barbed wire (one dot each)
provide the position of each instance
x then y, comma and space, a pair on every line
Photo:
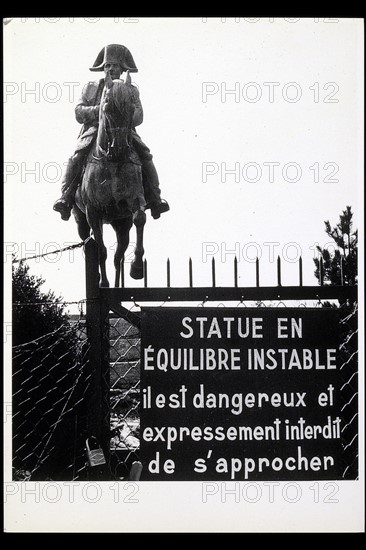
54, 302
71, 247
39, 340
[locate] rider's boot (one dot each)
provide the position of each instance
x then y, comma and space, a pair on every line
70, 182
63, 207
152, 190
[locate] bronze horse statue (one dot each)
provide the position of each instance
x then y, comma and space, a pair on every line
112, 190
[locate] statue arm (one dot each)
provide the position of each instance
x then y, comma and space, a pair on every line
138, 115
87, 114
85, 111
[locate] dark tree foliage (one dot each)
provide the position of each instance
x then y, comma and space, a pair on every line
340, 264
46, 367
340, 267
38, 313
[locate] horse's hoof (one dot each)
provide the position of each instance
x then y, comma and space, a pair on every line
137, 272
104, 284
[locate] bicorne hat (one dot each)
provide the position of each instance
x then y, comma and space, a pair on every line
115, 53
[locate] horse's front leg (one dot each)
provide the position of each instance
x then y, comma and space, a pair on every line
137, 266
122, 228
97, 227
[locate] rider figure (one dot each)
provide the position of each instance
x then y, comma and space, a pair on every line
113, 60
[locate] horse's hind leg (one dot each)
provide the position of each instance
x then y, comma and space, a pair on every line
96, 225
122, 228
137, 267
82, 223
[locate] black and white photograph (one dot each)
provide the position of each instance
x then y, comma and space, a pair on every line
183, 274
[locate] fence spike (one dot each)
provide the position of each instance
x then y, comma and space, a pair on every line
123, 272
257, 271
236, 272
168, 273
213, 273
300, 271
342, 266
190, 273
145, 273
278, 271
321, 272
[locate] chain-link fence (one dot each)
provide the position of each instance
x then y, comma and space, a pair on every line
125, 384
124, 395
348, 351
50, 386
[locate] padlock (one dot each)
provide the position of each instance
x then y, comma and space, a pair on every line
94, 452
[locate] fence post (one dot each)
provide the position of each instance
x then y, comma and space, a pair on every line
97, 323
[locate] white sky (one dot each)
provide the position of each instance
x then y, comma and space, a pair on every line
176, 59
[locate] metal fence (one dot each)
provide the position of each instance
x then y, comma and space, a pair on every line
52, 402
83, 381
349, 390
51, 386
124, 397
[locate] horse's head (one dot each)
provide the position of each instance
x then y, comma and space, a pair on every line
115, 119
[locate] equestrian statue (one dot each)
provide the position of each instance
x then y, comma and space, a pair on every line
111, 177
